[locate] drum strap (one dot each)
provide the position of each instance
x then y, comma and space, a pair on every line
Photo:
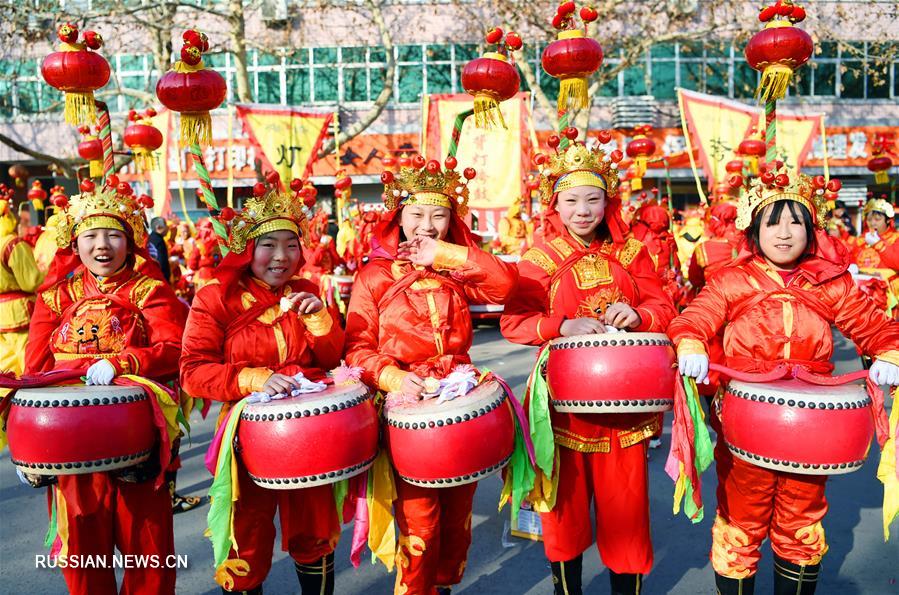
402, 284
806, 297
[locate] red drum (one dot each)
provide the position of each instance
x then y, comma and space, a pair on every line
789, 425
308, 440
344, 284
70, 430
453, 443
611, 373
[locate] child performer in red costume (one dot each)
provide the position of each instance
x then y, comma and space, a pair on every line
409, 322
777, 302
96, 311
580, 277
240, 340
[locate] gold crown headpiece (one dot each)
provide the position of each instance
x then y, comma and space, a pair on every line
577, 165
270, 209
421, 182
880, 205
112, 206
778, 183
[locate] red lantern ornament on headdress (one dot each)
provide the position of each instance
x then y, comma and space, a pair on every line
77, 71
91, 150
492, 78
880, 163
752, 148
778, 49
640, 149
37, 195
192, 90
143, 139
573, 57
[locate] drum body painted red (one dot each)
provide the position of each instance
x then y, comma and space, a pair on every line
611, 373
789, 425
453, 443
308, 440
71, 430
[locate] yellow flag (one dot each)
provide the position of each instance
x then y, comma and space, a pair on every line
497, 154
288, 139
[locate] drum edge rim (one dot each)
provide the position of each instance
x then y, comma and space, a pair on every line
458, 480
297, 483
86, 467
779, 465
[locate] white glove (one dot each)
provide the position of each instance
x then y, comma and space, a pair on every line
100, 373
306, 386
884, 373
695, 365
871, 238
853, 269
457, 384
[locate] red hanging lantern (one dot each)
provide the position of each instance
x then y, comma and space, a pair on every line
492, 79
37, 195
752, 149
880, 164
573, 57
143, 139
640, 149
91, 149
192, 90
19, 174
778, 49
77, 71
734, 166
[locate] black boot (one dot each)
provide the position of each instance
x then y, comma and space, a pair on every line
794, 579
318, 577
625, 584
567, 576
735, 586
256, 591
444, 590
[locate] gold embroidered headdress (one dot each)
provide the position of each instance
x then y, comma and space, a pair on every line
112, 206
782, 183
270, 209
577, 165
880, 205
421, 182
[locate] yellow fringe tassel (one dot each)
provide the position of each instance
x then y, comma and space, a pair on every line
486, 110
80, 108
144, 160
882, 177
775, 82
96, 168
573, 94
196, 128
235, 566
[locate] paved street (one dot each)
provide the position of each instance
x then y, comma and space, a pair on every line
858, 563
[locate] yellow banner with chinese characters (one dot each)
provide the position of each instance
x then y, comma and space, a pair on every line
500, 156
288, 140
159, 175
715, 126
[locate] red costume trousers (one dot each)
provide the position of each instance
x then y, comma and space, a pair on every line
754, 503
616, 481
435, 532
309, 526
104, 513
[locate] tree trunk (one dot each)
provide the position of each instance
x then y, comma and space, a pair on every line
383, 97
239, 49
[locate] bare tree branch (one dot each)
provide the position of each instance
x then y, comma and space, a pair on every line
64, 165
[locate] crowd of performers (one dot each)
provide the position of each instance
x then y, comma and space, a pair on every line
754, 280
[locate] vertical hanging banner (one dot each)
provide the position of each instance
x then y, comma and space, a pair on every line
716, 125
287, 140
501, 157
159, 175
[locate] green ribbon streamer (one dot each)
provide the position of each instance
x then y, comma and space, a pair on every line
702, 448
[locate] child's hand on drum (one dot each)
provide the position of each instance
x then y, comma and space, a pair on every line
582, 326
279, 384
883, 372
305, 303
622, 316
413, 385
